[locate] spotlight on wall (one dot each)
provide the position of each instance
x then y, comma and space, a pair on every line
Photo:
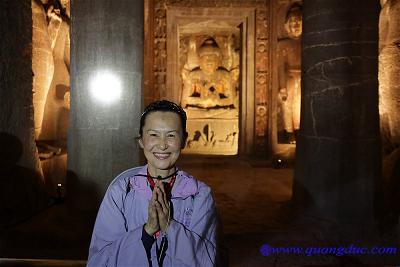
105, 87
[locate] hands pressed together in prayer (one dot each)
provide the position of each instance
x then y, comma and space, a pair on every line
158, 211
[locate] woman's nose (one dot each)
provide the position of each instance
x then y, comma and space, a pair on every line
162, 144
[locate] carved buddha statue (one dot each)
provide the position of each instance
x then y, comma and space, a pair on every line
209, 85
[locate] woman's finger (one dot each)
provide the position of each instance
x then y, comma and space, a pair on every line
161, 200
166, 200
153, 196
162, 218
160, 212
164, 194
152, 224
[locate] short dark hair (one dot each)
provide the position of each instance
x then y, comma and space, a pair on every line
164, 106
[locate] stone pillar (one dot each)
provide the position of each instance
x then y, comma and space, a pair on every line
16, 111
338, 151
106, 37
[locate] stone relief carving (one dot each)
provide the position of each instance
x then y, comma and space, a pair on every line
262, 24
389, 74
262, 44
51, 86
160, 53
262, 56
50, 65
209, 80
42, 62
212, 136
207, 138
261, 119
215, 3
289, 74
160, 27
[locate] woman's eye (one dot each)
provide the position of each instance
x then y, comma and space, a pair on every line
153, 134
171, 135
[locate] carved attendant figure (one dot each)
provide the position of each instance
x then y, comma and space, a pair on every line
289, 53
57, 106
42, 62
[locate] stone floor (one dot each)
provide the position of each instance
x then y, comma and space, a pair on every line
252, 200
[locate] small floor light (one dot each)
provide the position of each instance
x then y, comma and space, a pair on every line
60, 196
278, 163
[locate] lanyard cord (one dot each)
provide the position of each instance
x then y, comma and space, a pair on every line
161, 252
164, 241
157, 177
167, 185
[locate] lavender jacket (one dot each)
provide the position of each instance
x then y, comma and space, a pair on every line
116, 238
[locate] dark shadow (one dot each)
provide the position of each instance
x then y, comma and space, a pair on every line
62, 231
82, 203
82, 197
34, 227
61, 90
222, 249
22, 192
391, 191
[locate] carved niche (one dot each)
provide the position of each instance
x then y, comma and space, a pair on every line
210, 71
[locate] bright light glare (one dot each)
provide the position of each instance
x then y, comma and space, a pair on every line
105, 87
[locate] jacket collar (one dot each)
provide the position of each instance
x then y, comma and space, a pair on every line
185, 185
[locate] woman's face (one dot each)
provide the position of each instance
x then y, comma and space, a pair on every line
162, 140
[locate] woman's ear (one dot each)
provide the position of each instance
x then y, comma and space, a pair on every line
140, 141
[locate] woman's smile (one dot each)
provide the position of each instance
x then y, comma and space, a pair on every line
162, 155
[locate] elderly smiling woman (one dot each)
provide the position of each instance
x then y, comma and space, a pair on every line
156, 215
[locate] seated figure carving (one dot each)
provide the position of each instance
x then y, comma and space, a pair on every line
209, 85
